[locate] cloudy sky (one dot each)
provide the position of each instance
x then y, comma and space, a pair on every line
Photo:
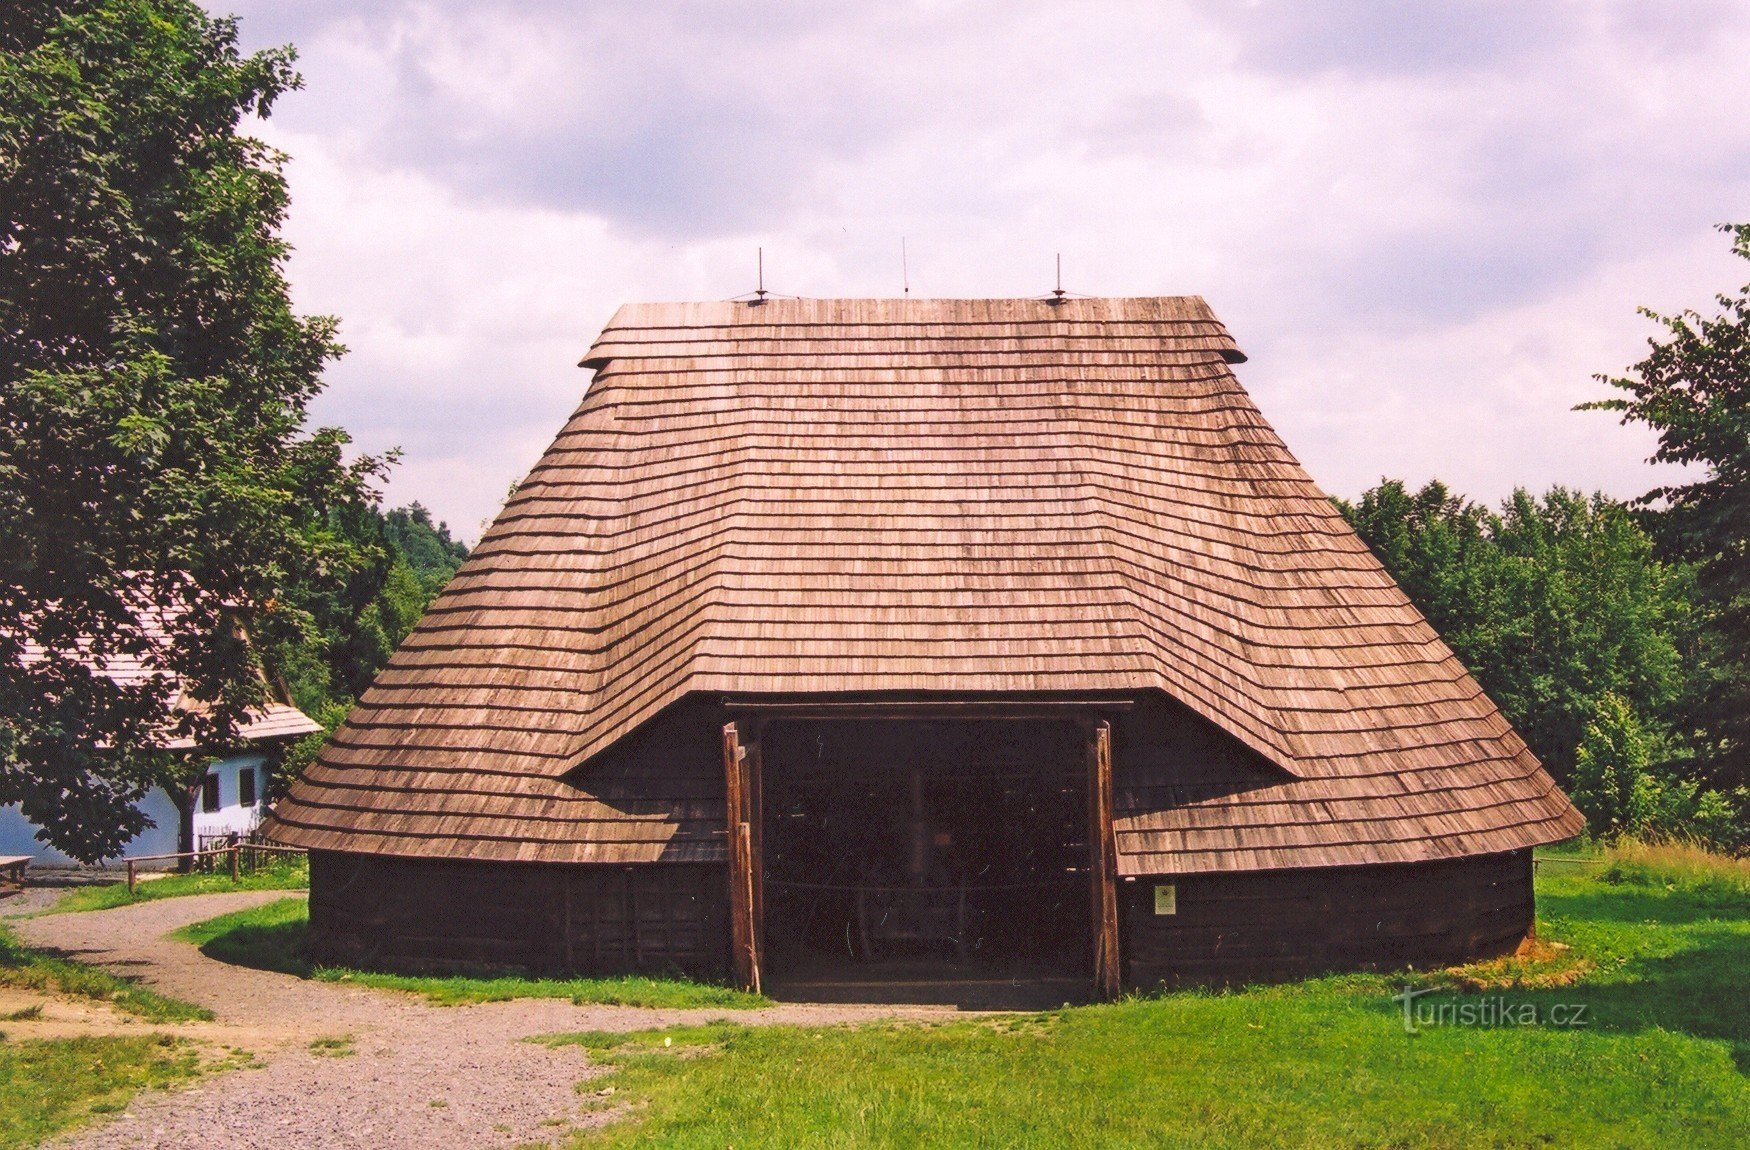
1427, 224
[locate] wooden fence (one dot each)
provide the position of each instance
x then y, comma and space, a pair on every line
1563, 860
234, 853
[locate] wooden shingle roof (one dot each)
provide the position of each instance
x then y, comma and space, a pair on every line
932, 497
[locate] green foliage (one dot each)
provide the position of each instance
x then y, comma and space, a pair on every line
283, 874
49, 1086
329, 713
353, 640
154, 386
1623, 786
21, 966
425, 546
1552, 602
1324, 1062
1694, 390
1613, 783
275, 937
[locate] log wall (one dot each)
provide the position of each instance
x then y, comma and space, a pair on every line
404, 914
417, 914
1261, 925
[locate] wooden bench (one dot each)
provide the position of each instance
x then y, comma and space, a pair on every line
12, 869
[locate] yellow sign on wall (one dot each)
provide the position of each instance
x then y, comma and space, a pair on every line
1166, 899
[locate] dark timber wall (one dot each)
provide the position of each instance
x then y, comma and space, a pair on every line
673, 918
417, 914
1235, 927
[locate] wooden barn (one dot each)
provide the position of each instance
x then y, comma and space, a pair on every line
835, 641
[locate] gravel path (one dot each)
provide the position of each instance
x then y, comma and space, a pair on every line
419, 1076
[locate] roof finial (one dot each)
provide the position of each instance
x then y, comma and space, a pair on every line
1058, 291
760, 291
904, 266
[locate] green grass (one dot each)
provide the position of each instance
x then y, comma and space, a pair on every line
28, 969
337, 1046
1658, 954
51, 1085
1677, 866
284, 874
275, 936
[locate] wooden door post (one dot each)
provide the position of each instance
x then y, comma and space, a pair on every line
743, 926
1103, 862
754, 801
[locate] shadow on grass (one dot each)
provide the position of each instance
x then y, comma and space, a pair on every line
1675, 960
1637, 905
276, 937
282, 947
53, 970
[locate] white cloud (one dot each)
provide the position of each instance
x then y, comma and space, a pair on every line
1428, 224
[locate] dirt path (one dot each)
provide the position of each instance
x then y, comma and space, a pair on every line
419, 1076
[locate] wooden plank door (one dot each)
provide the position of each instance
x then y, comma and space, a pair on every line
741, 793
1103, 862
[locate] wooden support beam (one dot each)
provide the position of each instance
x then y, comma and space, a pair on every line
755, 817
743, 925
1103, 862
1017, 708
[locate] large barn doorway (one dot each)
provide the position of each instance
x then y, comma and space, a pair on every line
921, 860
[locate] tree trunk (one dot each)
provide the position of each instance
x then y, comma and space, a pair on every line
184, 797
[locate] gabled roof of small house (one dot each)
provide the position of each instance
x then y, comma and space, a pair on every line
275, 719
929, 497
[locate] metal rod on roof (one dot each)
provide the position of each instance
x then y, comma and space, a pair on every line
761, 290
1058, 290
904, 266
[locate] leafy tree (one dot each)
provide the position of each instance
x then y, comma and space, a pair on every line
1621, 789
328, 672
154, 385
425, 545
1552, 602
1694, 390
403, 559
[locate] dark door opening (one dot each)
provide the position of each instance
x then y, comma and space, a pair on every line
912, 853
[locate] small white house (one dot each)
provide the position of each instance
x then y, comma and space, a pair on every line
228, 800
231, 801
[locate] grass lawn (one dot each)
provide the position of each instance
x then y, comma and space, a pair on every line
1659, 959
48, 1086
273, 937
28, 969
281, 874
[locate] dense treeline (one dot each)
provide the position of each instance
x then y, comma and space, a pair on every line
1616, 637
402, 560
1596, 648
406, 558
